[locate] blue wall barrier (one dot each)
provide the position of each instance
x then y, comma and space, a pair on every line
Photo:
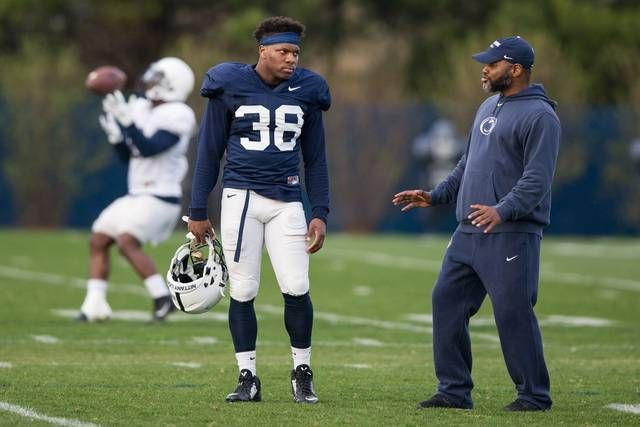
598, 199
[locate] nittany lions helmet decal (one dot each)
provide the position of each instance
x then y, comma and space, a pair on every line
197, 284
169, 79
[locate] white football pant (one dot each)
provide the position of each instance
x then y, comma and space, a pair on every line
280, 226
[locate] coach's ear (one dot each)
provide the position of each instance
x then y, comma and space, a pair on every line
517, 70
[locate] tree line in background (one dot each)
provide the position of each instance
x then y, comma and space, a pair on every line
375, 54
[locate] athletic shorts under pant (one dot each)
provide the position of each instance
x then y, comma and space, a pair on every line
505, 266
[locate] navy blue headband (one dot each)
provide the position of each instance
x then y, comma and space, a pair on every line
291, 37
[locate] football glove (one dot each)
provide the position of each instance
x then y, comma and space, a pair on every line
116, 105
110, 127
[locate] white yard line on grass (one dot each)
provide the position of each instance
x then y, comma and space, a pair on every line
334, 318
30, 413
625, 407
190, 365
422, 264
550, 320
143, 316
382, 259
352, 344
57, 279
368, 342
559, 320
45, 339
351, 320
362, 291
590, 250
204, 340
590, 280
428, 319
6, 365
357, 365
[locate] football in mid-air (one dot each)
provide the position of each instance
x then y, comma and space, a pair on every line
105, 79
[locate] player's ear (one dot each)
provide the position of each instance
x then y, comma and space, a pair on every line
261, 50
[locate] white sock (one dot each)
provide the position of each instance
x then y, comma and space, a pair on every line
156, 287
247, 360
95, 306
97, 286
301, 356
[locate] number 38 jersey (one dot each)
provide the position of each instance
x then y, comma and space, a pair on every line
263, 130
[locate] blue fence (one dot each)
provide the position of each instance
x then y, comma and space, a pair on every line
595, 192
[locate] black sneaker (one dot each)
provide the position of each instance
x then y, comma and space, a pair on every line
439, 401
162, 307
520, 405
302, 385
248, 389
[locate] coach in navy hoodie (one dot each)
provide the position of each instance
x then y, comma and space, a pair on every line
502, 190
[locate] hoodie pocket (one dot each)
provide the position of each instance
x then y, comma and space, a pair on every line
476, 189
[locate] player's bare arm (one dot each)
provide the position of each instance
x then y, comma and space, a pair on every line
412, 199
200, 229
316, 234
485, 216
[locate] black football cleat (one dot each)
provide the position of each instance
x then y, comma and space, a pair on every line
248, 389
81, 317
162, 307
439, 401
302, 385
520, 405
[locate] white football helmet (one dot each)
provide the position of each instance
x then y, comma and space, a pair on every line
197, 283
169, 79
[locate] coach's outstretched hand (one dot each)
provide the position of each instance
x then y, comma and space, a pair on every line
316, 233
200, 229
413, 199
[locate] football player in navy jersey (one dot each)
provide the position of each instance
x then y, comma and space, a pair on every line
264, 116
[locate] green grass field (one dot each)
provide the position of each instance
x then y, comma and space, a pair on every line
372, 342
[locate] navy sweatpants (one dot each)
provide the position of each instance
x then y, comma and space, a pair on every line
505, 266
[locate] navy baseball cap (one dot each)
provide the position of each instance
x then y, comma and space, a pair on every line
513, 49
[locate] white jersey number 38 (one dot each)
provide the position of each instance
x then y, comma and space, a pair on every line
282, 126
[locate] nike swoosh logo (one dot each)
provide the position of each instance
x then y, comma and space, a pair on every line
230, 195
512, 258
507, 57
291, 89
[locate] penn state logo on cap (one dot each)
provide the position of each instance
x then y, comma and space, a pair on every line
487, 125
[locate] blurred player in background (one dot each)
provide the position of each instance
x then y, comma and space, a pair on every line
151, 134
502, 190
263, 116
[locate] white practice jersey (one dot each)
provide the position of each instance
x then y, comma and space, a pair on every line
161, 174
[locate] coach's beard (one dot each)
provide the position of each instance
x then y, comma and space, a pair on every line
501, 84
